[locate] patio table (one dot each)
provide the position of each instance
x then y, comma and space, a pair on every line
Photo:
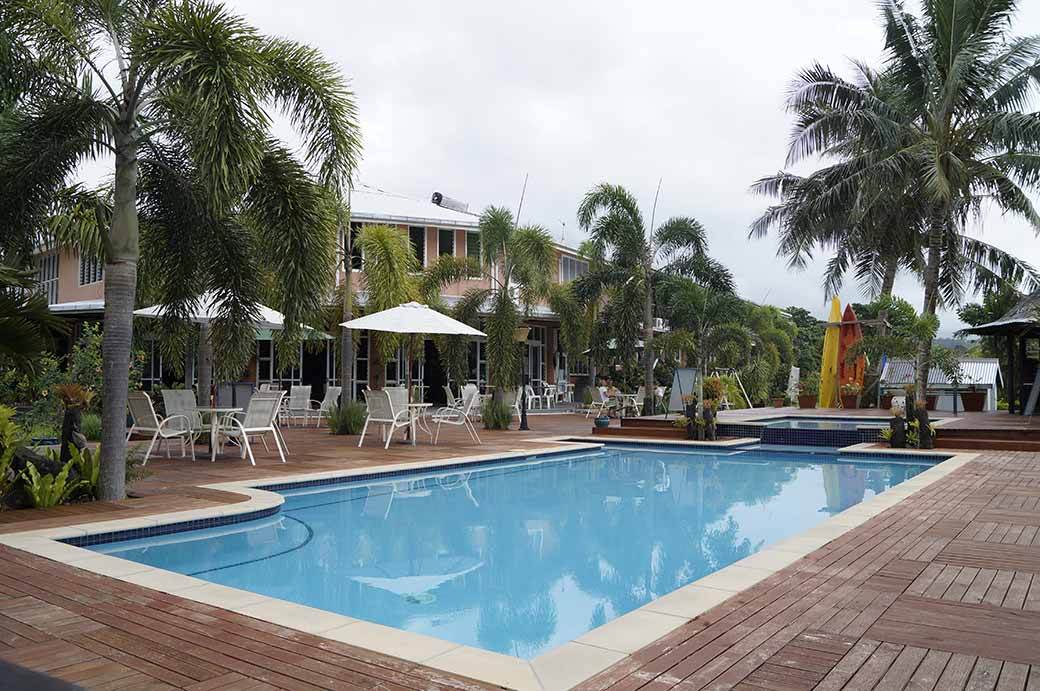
215, 413
416, 418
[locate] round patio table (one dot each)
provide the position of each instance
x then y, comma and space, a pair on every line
215, 413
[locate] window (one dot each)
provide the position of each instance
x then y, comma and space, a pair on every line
90, 270
579, 367
473, 250
355, 251
477, 360
151, 372
417, 234
47, 274
361, 367
446, 242
264, 361
571, 268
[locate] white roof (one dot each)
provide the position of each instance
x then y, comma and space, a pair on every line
208, 309
375, 205
981, 371
412, 318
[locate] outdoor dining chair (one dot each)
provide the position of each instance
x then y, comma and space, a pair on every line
532, 398
326, 404
382, 412
182, 402
279, 413
146, 421
257, 422
450, 397
601, 403
459, 416
299, 403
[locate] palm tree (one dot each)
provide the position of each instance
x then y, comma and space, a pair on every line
611, 215
514, 259
957, 140
25, 322
198, 179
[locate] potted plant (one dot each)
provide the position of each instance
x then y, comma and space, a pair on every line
886, 400
850, 395
602, 421
973, 399
778, 399
808, 389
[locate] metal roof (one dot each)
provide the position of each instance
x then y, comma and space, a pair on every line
1025, 313
376, 205
982, 371
80, 306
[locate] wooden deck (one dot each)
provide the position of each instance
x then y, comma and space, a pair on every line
942, 591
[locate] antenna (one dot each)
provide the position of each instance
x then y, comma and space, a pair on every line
520, 206
563, 232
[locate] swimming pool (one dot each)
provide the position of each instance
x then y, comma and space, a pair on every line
521, 556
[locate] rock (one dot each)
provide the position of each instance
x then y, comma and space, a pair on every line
898, 427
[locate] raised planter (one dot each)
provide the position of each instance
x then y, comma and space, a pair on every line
807, 400
778, 401
974, 401
886, 401
602, 421
850, 402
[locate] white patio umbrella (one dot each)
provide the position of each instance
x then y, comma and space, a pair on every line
412, 318
206, 311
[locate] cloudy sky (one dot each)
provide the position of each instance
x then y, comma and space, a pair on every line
469, 97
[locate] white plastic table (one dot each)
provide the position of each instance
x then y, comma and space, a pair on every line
415, 415
215, 414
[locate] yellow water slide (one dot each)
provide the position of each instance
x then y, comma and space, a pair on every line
828, 397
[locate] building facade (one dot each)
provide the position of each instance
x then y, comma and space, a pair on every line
75, 289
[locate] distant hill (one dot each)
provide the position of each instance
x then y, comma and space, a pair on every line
956, 343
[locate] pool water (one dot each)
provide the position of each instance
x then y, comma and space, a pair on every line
522, 556
828, 423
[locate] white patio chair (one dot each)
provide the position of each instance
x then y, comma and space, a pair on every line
279, 395
382, 412
532, 398
512, 397
330, 401
452, 402
549, 394
258, 420
459, 416
268, 386
162, 429
182, 402
600, 402
299, 403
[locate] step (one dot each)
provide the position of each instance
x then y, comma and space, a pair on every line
648, 433
985, 444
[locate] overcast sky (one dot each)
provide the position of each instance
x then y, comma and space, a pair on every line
468, 97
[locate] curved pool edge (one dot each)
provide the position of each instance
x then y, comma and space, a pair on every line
556, 670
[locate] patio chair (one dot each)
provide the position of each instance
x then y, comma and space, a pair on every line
258, 420
299, 403
532, 397
635, 402
182, 402
330, 401
452, 401
459, 416
383, 412
601, 403
279, 413
146, 421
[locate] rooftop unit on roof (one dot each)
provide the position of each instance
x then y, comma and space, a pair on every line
449, 203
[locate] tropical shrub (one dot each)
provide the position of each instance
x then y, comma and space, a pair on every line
46, 491
733, 393
8, 439
90, 425
88, 464
713, 389
347, 419
810, 384
496, 414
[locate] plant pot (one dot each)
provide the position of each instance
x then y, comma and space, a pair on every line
778, 402
807, 400
974, 401
886, 401
602, 421
929, 401
850, 402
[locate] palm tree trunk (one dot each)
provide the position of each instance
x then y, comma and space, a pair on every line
120, 293
648, 342
889, 280
931, 298
346, 350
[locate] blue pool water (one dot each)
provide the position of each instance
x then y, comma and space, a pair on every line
829, 423
522, 556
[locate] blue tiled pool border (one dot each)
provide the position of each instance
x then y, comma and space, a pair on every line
168, 528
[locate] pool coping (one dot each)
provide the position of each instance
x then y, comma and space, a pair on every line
555, 670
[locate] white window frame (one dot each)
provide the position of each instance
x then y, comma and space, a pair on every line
47, 267
470, 235
574, 271
440, 248
425, 258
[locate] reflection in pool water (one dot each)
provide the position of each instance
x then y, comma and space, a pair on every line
521, 557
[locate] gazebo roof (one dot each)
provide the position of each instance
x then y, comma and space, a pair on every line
1024, 314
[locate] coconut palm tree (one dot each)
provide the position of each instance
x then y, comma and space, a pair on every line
611, 215
958, 139
176, 94
25, 322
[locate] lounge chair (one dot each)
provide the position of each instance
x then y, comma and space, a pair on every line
459, 416
383, 412
146, 421
257, 422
